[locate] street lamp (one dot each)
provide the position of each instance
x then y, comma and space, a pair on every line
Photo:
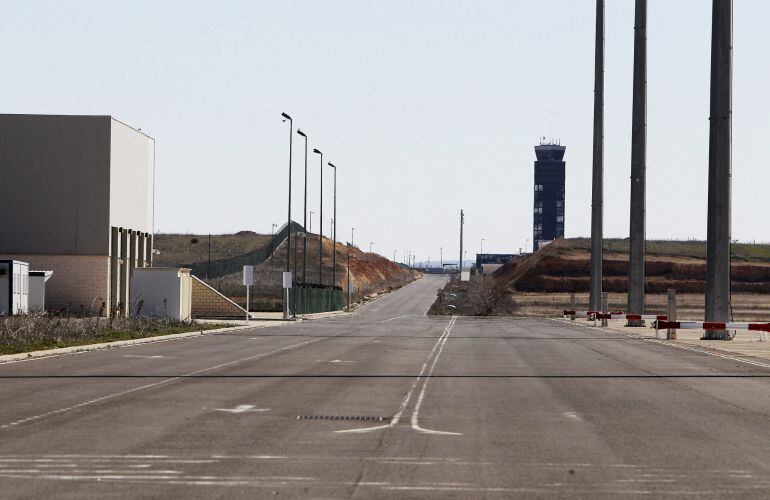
288, 223
482, 245
272, 230
370, 246
334, 231
394, 256
304, 219
321, 224
352, 229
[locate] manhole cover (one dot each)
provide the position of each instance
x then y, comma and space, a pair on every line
343, 417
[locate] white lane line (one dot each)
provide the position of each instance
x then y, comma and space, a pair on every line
154, 384
241, 409
157, 356
421, 397
434, 353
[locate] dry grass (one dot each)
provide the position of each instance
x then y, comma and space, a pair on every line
746, 306
33, 332
693, 249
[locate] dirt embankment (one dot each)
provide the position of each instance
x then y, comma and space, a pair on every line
563, 266
369, 272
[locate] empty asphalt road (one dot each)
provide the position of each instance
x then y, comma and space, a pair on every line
388, 403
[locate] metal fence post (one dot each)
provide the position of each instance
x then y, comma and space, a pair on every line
572, 306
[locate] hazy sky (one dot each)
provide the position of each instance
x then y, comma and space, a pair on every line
426, 107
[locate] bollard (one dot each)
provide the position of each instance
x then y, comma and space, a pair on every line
671, 313
605, 306
572, 306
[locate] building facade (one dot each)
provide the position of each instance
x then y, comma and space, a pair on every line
548, 214
76, 198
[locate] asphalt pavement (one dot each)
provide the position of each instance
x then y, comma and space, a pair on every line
389, 403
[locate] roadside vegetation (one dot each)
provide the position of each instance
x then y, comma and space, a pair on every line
481, 296
36, 332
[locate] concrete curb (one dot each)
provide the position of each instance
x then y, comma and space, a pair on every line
23, 356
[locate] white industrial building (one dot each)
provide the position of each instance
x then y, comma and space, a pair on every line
76, 198
14, 287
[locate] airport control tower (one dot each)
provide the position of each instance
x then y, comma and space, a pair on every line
548, 221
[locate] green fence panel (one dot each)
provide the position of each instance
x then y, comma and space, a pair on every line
308, 300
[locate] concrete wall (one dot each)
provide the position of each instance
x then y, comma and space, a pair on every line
54, 180
77, 279
208, 303
64, 180
131, 178
165, 292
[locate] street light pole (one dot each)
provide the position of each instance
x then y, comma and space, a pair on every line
482, 245
348, 294
321, 224
462, 222
370, 246
334, 232
441, 250
304, 219
288, 223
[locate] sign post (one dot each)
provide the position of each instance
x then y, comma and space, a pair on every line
248, 281
287, 279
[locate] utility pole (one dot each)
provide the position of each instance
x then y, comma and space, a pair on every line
441, 251
597, 188
637, 225
394, 256
720, 170
370, 246
208, 268
462, 221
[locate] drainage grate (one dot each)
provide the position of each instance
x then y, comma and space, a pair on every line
360, 418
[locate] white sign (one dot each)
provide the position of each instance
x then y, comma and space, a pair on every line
287, 279
248, 275
465, 276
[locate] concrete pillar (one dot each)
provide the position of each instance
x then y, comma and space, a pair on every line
124, 271
597, 188
671, 313
720, 171
114, 268
140, 251
605, 307
148, 256
638, 168
131, 252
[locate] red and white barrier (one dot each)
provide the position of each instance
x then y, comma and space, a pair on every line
594, 315
710, 325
